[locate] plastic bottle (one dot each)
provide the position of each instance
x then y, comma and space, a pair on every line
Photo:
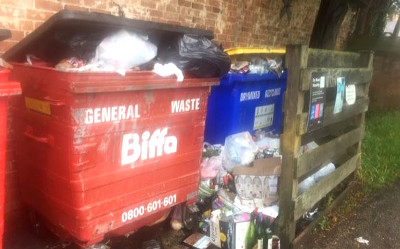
251, 232
260, 231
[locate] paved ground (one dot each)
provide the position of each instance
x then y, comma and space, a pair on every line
377, 220
162, 233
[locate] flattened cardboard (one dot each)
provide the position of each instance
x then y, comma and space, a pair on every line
261, 167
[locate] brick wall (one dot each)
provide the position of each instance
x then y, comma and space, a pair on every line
234, 22
384, 91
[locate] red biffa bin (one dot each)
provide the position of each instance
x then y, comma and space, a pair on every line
7, 88
103, 154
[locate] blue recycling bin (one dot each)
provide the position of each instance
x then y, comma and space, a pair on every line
245, 102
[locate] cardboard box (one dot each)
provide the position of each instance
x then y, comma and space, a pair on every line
258, 185
233, 233
214, 228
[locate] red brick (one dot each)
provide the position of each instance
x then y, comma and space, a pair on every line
38, 15
149, 4
172, 8
170, 16
215, 3
17, 35
10, 2
12, 12
18, 3
26, 25
184, 3
155, 13
212, 15
211, 22
48, 5
73, 2
197, 6
216, 10
75, 7
100, 4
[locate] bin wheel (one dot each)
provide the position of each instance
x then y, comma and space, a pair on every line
189, 218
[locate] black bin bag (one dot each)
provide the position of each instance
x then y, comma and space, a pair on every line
196, 54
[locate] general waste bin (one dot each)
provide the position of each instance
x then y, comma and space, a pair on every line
245, 102
7, 88
103, 154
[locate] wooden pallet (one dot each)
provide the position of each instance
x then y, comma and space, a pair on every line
339, 137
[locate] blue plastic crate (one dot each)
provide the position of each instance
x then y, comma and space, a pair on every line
245, 102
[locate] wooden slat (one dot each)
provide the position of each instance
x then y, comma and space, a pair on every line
352, 75
296, 58
348, 111
308, 199
322, 154
330, 130
306, 233
330, 58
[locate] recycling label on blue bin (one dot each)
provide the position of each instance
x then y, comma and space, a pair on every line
263, 116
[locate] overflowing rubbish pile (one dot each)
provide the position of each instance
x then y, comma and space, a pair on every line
238, 194
257, 64
123, 51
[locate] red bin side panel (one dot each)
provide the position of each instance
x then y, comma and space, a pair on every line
7, 88
104, 152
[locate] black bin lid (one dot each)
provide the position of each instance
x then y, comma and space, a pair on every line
75, 33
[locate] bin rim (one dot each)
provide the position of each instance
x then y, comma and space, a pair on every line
96, 82
8, 88
255, 50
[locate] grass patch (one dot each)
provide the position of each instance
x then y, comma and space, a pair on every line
380, 150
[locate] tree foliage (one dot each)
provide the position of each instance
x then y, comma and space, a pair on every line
370, 19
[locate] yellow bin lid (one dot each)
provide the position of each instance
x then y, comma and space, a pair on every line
236, 51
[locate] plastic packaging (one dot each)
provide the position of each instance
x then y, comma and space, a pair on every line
308, 147
198, 55
239, 150
210, 150
176, 218
306, 184
269, 143
323, 172
124, 50
168, 70
210, 167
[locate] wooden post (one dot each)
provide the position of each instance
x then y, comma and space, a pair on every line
296, 59
366, 60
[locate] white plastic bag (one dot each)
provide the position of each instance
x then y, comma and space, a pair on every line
324, 172
306, 184
240, 150
124, 50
